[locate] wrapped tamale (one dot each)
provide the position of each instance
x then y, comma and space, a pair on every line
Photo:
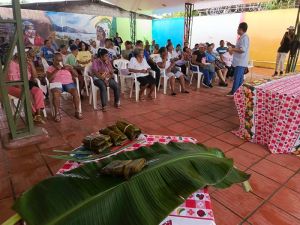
115, 137
125, 168
117, 130
96, 142
130, 130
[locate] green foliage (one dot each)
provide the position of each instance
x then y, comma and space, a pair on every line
84, 196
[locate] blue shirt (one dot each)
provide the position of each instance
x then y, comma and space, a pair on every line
48, 53
221, 50
241, 59
210, 57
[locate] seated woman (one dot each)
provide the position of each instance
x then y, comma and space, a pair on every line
84, 56
219, 67
171, 71
103, 78
61, 76
138, 64
36, 93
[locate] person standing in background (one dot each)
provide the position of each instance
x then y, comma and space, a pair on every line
284, 48
240, 57
118, 41
152, 47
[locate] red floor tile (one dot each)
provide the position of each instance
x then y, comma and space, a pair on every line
179, 128
6, 211
179, 117
242, 157
294, 183
207, 118
194, 123
272, 171
268, 214
255, 149
218, 144
231, 139
200, 136
5, 188
289, 161
288, 201
165, 121
224, 216
227, 126
237, 200
211, 130
261, 185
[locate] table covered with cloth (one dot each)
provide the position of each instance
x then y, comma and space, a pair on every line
269, 113
196, 210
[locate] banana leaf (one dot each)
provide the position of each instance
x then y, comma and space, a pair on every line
130, 130
116, 138
84, 196
117, 130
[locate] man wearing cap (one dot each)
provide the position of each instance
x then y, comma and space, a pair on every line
284, 48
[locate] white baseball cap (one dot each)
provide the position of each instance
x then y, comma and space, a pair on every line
291, 28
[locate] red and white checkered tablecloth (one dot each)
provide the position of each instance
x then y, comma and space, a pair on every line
196, 210
269, 112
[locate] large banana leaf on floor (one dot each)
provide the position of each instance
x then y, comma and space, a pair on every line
84, 196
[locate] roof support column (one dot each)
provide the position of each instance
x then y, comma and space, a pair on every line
188, 22
133, 26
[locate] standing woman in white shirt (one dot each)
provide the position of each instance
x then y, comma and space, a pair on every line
139, 65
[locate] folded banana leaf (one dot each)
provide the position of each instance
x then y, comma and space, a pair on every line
130, 130
95, 142
118, 131
115, 137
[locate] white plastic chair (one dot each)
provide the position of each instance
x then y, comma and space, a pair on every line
121, 65
196, 71
136, 83
165, 78
94, 91
45, 64
118, 50
65, 95
13, 102
86, 78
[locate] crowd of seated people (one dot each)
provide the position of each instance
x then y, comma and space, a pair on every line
67, 62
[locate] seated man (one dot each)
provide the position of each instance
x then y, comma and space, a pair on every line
222, 49
103, 78
47, 52
171, 71
128, 50
61, 79
199, 59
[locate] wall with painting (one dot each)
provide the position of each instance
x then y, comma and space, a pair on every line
40, 25
266, 29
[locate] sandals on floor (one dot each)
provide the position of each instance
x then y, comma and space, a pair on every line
78, 115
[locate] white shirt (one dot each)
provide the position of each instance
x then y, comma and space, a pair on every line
94, 50
241, 59
227, 58
168, 63
172, 55
135, 65
112, 53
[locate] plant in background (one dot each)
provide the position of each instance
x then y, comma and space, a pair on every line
86, 196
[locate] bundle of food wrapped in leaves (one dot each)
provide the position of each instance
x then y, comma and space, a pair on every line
115, 137
130, 130
97, 142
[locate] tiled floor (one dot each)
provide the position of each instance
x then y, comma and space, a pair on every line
206, 115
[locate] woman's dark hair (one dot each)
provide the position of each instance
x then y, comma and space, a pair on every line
184, 49
101, 52
86, 46
138, 42
178, 45
161, 50
209, 45
243, 26
45, 42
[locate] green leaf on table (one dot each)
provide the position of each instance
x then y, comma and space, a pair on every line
84, 196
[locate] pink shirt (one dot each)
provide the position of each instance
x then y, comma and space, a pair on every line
61, 76
14, 71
